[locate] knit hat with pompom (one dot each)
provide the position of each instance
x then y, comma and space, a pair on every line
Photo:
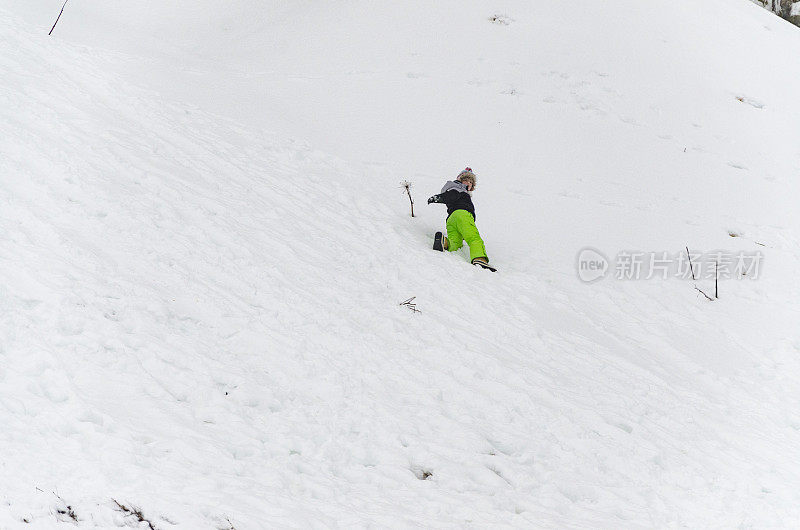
467, 174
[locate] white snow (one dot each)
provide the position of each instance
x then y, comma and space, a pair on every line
203, 248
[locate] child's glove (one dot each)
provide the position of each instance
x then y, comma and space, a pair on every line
435, 198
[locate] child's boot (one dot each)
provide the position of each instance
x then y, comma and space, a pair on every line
440, 242
484, 263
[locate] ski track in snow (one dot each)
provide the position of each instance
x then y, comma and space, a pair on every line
201, 320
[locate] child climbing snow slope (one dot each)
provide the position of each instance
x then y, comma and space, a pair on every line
457, 195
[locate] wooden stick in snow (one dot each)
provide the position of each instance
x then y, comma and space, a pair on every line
407, 185
409, 303
58, 17
691, 267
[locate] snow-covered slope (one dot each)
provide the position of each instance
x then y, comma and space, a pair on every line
203, 246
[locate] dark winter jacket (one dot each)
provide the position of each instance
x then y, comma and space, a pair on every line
455, 195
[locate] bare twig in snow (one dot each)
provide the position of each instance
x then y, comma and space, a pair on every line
410, 304
691, 267
58, 17
704, 294
134, 512
230, 525
69, 512
407, 186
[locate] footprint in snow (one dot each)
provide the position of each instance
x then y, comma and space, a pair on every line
519, 191
501, 20
629, 120
750, 101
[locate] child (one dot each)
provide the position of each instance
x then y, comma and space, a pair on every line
457, 195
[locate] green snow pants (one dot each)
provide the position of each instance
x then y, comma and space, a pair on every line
461, 227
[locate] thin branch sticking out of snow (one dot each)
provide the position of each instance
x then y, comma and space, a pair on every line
58, 17
409, 304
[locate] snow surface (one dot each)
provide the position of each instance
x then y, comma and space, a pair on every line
204, 245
